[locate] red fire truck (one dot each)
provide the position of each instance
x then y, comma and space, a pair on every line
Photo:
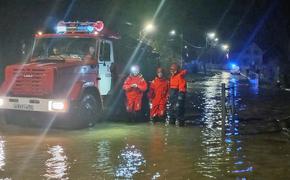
67, 76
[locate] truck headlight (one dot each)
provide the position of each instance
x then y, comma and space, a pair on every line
1, 101
60, 106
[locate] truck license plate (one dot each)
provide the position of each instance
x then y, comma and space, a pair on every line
25, 107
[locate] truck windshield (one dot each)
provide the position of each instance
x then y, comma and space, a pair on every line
64, 47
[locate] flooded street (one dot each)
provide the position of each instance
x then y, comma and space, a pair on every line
145, 151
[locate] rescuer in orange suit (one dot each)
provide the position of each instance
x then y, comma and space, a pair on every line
134, 87
158, 93
177, 92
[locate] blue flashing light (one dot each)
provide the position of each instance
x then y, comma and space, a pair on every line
90, 28
61, 29
233, 66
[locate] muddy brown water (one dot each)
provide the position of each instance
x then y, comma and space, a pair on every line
144, 151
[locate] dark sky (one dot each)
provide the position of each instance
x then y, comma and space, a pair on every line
236, 21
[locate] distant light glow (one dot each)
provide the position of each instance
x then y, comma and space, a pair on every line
39, 32
134, 69
211, 35
149, 27
60, 29
225, 47
172, 32
233, 66
1, 102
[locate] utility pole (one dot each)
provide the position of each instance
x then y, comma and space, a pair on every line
181, 57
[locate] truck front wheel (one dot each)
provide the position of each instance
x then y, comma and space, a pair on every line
87, 111
90, 108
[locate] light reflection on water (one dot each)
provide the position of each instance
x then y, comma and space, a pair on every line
223, 155
234, 148
254, 86
131, 159
103, 164
2, 154
57, 165
210, 162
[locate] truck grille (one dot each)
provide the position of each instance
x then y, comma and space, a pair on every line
32, 82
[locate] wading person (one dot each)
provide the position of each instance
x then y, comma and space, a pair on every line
134, 87
157, 95
177, 92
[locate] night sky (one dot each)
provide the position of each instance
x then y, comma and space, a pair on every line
237, 22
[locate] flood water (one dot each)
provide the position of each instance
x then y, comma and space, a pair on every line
144, 151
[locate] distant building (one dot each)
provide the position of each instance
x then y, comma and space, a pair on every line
263, 63
251, 59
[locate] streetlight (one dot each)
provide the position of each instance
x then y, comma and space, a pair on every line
149, 28
173, 33
226, 48
211, 35
211, 39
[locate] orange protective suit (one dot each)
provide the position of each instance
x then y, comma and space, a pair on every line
157, 95
134, 94
178, 82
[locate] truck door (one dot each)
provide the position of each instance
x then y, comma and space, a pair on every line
106, 59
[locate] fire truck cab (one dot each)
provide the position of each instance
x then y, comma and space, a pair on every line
66, 76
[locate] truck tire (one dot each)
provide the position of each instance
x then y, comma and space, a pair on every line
88, 110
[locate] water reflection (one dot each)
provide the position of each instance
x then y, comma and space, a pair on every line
220, 151
57, 165
254, 86
131, 159
234, 148
103, 164
213, 157
2, 154
157, 147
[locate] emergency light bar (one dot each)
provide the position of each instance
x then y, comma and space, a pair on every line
79, 27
